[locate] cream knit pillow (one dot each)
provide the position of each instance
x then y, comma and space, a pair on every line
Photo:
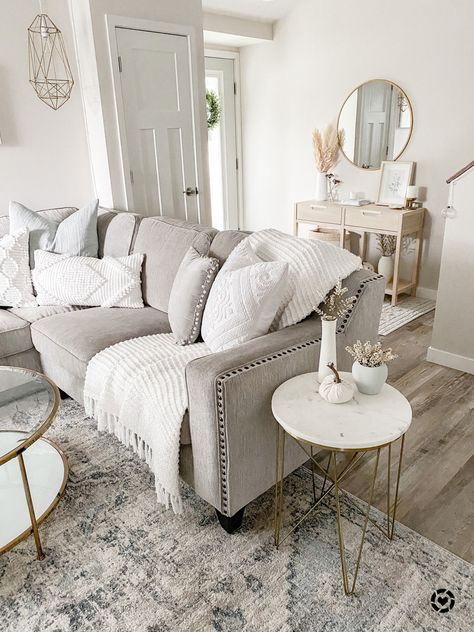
107, 282
16, 289
243, 300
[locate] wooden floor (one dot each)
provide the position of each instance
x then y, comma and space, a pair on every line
437, 482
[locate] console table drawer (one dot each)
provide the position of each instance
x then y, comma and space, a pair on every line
383, 219
313, 212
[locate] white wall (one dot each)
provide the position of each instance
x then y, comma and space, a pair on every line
43, 158
320, 52
453, 337
89, 19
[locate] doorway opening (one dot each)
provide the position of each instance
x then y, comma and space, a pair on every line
224, 140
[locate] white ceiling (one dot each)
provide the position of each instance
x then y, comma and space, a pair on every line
254, 9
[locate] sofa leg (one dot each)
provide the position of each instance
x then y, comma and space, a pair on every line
63, 395
232, 523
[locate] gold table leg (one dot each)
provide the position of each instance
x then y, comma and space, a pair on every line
340, 532
31, 510
336, 481
280, 473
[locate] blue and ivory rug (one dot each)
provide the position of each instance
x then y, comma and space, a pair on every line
407, 309
116, 561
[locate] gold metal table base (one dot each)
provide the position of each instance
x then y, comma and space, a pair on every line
36, 521
331, 473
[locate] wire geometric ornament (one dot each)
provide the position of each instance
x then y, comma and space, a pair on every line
50, 73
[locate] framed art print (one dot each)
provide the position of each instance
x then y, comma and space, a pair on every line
394, 180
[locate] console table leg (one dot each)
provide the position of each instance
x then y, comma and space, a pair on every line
416, 262
31, 510
396, 270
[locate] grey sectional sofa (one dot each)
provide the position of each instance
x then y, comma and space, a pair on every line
228, 436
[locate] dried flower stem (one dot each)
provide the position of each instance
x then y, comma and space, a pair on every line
335, 305
371, 355
326, 146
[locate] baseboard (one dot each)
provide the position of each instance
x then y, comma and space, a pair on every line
451, 360
427, 292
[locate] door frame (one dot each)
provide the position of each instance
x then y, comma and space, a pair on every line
116, 21
235, 55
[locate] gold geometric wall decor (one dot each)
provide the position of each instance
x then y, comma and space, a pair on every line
50, 73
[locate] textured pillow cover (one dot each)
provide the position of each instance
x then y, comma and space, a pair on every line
75, 236
243, 300
314, 269
16, 289
107, 282
189, 293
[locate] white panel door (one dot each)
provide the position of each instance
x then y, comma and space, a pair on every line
156, 96
373, 120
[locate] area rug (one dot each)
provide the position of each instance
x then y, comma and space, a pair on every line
117, 561
394, 317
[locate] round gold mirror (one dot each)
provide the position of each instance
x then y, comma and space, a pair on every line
375, 123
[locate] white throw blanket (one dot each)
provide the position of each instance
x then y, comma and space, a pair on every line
314, 269
136, 390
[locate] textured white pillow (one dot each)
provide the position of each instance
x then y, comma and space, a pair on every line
107, 282
16, 289
314, 269
243, 300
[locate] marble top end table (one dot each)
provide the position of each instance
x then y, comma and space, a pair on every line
365, 424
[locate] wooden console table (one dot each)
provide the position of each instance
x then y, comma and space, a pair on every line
370, 219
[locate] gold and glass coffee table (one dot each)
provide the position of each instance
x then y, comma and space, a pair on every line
33, 470
366, 424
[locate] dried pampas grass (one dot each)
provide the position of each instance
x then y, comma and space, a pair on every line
326, 146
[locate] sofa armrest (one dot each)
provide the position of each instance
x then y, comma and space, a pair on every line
232, 428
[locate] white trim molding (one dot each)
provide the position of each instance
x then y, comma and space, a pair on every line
451, 360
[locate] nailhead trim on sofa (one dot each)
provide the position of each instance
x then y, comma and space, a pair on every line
221, 379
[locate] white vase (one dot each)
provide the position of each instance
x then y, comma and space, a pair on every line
327, 353
369, 379
321, 187
385, 267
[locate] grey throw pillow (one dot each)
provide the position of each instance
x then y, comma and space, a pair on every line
75, 236
189, 295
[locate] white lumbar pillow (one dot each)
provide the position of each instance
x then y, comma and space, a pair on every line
243, 300
16, 289
107, 282
314, 269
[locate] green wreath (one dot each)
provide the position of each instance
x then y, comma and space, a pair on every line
213, 106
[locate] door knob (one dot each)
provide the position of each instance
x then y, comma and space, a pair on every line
191, 191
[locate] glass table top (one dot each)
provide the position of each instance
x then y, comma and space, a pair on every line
28, 404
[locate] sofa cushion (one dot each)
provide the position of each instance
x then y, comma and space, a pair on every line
165, 241
116, 231
74, 338
224, 243
32, 314
15, 334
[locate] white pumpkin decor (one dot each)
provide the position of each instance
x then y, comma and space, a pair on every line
334, 390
